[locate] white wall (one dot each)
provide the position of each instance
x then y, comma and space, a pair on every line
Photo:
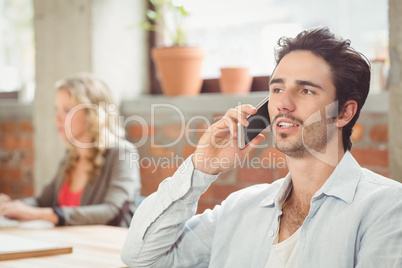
83, 35
62, 36
119, 46
395, 81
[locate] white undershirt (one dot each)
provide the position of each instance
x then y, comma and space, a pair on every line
284, 254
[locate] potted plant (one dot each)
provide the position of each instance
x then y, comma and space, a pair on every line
234, 79
178, 65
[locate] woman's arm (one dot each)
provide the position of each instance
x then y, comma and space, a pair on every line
38, 207
103, 198
18, 210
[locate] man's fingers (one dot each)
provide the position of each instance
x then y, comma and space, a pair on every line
236, 115
240, 113
246, 109
226, 129
226, 124
253, 144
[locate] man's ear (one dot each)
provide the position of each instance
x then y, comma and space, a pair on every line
347, 113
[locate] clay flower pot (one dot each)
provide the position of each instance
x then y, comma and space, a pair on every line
235, 80
179, 69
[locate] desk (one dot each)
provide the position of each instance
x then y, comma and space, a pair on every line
93, 246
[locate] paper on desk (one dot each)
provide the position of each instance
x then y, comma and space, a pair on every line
14, 247
11, 243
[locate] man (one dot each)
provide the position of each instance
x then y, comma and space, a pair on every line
327, 212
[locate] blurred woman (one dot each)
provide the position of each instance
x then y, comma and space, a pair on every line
97, 181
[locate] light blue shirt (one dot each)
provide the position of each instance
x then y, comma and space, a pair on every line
355, 220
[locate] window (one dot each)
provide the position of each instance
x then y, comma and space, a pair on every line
244, 33
17, 52
238, 32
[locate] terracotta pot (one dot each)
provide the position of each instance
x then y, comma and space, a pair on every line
235, 80
357, 133
179, 69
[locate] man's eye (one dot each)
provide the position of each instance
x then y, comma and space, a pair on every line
307, 91
277, 90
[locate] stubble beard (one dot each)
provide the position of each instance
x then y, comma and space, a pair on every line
314, 136
291, 148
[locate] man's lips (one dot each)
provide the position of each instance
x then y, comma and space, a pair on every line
284, 124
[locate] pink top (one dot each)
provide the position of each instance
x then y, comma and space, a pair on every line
67, 198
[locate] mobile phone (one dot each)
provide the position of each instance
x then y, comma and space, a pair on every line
257, 123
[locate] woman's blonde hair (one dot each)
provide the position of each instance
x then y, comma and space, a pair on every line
85, 88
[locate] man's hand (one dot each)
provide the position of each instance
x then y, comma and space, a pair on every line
217, 149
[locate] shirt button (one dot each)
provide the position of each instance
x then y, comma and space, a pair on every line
271, 233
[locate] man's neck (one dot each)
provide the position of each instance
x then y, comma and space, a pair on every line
308, 175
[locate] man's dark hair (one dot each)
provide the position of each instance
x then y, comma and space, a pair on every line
350, 69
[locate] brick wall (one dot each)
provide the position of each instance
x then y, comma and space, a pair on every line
370, 149
16, 158
159, 163
16, 151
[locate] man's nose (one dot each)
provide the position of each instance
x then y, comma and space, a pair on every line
286, 102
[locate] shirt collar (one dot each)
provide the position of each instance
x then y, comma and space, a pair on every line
343, 181
280, 195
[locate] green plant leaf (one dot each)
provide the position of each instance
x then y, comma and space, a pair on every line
183, 12
157, 2
181, 36
157, 16
148, 26
152, 15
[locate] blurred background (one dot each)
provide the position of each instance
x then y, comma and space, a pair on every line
42, 41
